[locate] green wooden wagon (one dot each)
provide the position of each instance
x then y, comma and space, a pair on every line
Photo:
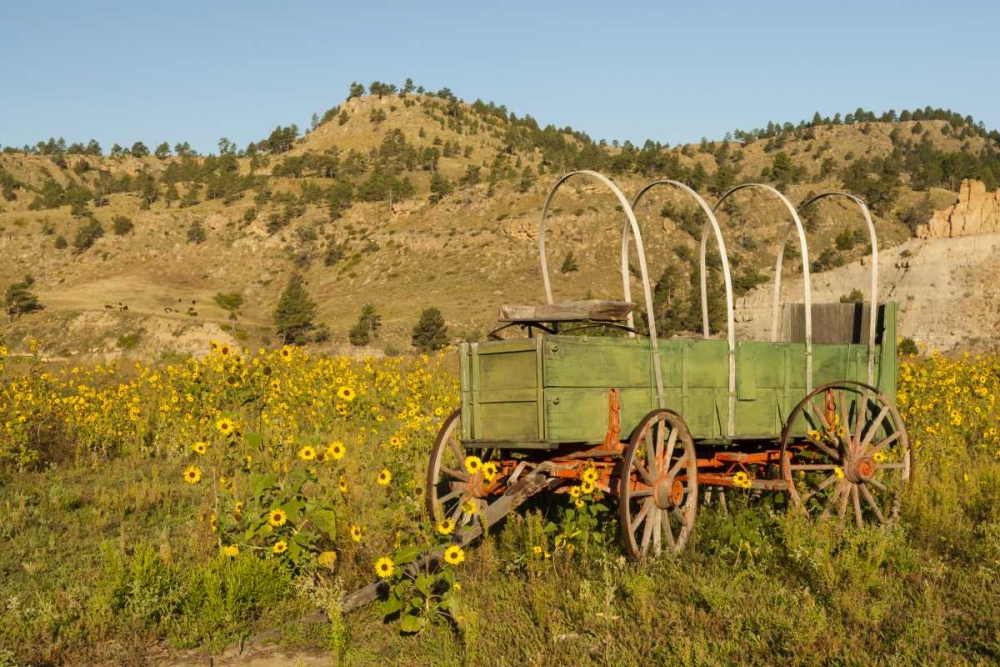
809, 413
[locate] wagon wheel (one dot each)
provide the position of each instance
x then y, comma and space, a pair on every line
658, 486
449, 484
845, 445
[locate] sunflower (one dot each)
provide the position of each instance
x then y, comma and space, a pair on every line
192, 475
579, 502
231, 550
346, 394
454, 555
280, 547
880, 457
394, 441
490, 470
224, 350
384, 477
470, 507
445, 526
590, 475
327, 559
537, 550
286, 353
335, 451
200, 447
587, 488
225, 426
342, 485
813, 435
356, 533
574, 491
238, 508
307, 453
277, 518
384, 567
742, 480
838, 471
473, 464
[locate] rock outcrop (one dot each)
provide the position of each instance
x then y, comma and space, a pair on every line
977, 212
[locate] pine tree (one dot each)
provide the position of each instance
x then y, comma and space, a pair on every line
569, 264
368, 324
20, 299
294, 314
430, 333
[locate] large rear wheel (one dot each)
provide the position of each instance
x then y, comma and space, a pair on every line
845, 452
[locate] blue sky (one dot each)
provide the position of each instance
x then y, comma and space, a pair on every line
671, 71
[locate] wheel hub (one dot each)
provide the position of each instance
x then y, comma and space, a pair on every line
861, 469
478, 488
668, 492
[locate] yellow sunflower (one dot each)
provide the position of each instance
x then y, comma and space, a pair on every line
277, 518
473, 464
225, 426
838, 471
590, 475
490, 470
307, 453
335, 451
327, 559
454, 555
286, 353
384, 567
200, 447
346, 394
280, 547
574, 491
231, 550
445, 526
384, 478
587, 488
192, 475
470, 507
742, 480
356, 533
342, 485
579, 502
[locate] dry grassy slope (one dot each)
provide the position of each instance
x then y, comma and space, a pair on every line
465, 255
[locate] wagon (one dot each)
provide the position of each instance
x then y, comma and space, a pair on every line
584, 398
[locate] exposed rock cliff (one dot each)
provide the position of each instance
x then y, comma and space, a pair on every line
977, 212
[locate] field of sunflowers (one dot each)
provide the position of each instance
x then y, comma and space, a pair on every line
152, 508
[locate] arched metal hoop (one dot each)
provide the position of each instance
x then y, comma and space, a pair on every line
626, 288
873, 286
730, 325
795, 223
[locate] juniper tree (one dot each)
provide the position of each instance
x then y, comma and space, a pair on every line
430, 333
293, 317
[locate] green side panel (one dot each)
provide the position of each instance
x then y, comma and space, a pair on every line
465, 382
509, 421
708, 364
672, 355
595, 362
507, 370
580, 414
888, 357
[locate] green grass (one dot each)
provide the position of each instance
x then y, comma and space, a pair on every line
101, 564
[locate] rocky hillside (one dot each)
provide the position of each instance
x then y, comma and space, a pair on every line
405, 201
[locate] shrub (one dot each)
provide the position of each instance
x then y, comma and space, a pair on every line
196, 232
854, 297
87, 235
121, 225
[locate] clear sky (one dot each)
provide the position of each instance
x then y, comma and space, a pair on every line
197, 70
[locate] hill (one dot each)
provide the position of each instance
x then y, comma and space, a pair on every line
407, 200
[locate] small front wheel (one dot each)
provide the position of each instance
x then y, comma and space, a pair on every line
658, 486
453, 490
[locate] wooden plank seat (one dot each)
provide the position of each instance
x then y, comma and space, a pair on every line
568, 311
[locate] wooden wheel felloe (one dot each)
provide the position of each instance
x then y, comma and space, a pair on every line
449, 484
658, 486
845, 451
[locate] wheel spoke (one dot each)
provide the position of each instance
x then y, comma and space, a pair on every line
855, 498
643, 513
641, 493
826, 449
885, 442
457, 474
658, 443
681, 462
877, 484
657, 528
665, 520
845, 496
819, 413
831, 500
647, 529
859, 416
890, 466
643, 472
812, 466
453, 494
874, 427
871, 501
822, 485
647, 438
671, 445
844, 421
